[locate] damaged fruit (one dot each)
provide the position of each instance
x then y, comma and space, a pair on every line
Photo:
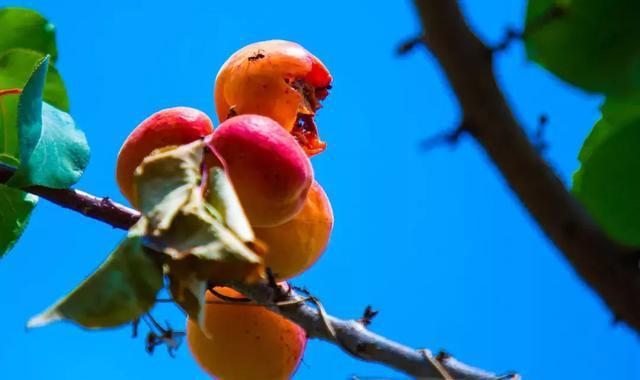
278, 79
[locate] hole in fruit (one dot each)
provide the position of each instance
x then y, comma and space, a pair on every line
311, 95
305, 132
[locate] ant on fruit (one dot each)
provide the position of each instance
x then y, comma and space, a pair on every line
257, 56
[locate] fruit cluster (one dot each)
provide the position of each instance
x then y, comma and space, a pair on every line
266, 96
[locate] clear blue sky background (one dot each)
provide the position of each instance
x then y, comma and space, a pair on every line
433, 239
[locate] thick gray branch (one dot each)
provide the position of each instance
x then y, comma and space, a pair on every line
355, 339
610, 269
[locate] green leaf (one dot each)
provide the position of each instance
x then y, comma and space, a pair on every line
123, 288
16, 66
53, 151
199, 249
592, 44
608, 180
26, 28
16, 207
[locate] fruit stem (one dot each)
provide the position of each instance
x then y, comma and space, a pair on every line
11, 91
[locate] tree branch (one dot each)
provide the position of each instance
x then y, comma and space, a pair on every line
102, 209
354, 338
609, 268
350, 335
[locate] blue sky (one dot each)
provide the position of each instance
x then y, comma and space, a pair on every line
434, 240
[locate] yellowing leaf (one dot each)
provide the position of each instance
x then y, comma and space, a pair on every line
164, 181
199, 249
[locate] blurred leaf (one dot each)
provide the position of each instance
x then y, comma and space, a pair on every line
15, 209
592, 44
16, 66
53, 151
199, 249
26, 28
608, 180
123, 288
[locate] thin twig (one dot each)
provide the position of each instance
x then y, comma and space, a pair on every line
553, 13
10, 91
410, 44
450, 138
227, 298
368, 315
252, 304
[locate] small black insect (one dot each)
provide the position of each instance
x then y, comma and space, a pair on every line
258, 56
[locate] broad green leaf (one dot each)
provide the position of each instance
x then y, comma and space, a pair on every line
26, 28
123, 288
53, 151
16, 66
15, 209
592, 44
199, 249
608, 180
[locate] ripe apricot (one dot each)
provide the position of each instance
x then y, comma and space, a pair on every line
269, 170
278, 79
245, 342
171, 126
295, 246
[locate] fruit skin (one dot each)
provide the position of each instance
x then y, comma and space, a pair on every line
296, 245
278, 79
171, 126
247, 342
269, 170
